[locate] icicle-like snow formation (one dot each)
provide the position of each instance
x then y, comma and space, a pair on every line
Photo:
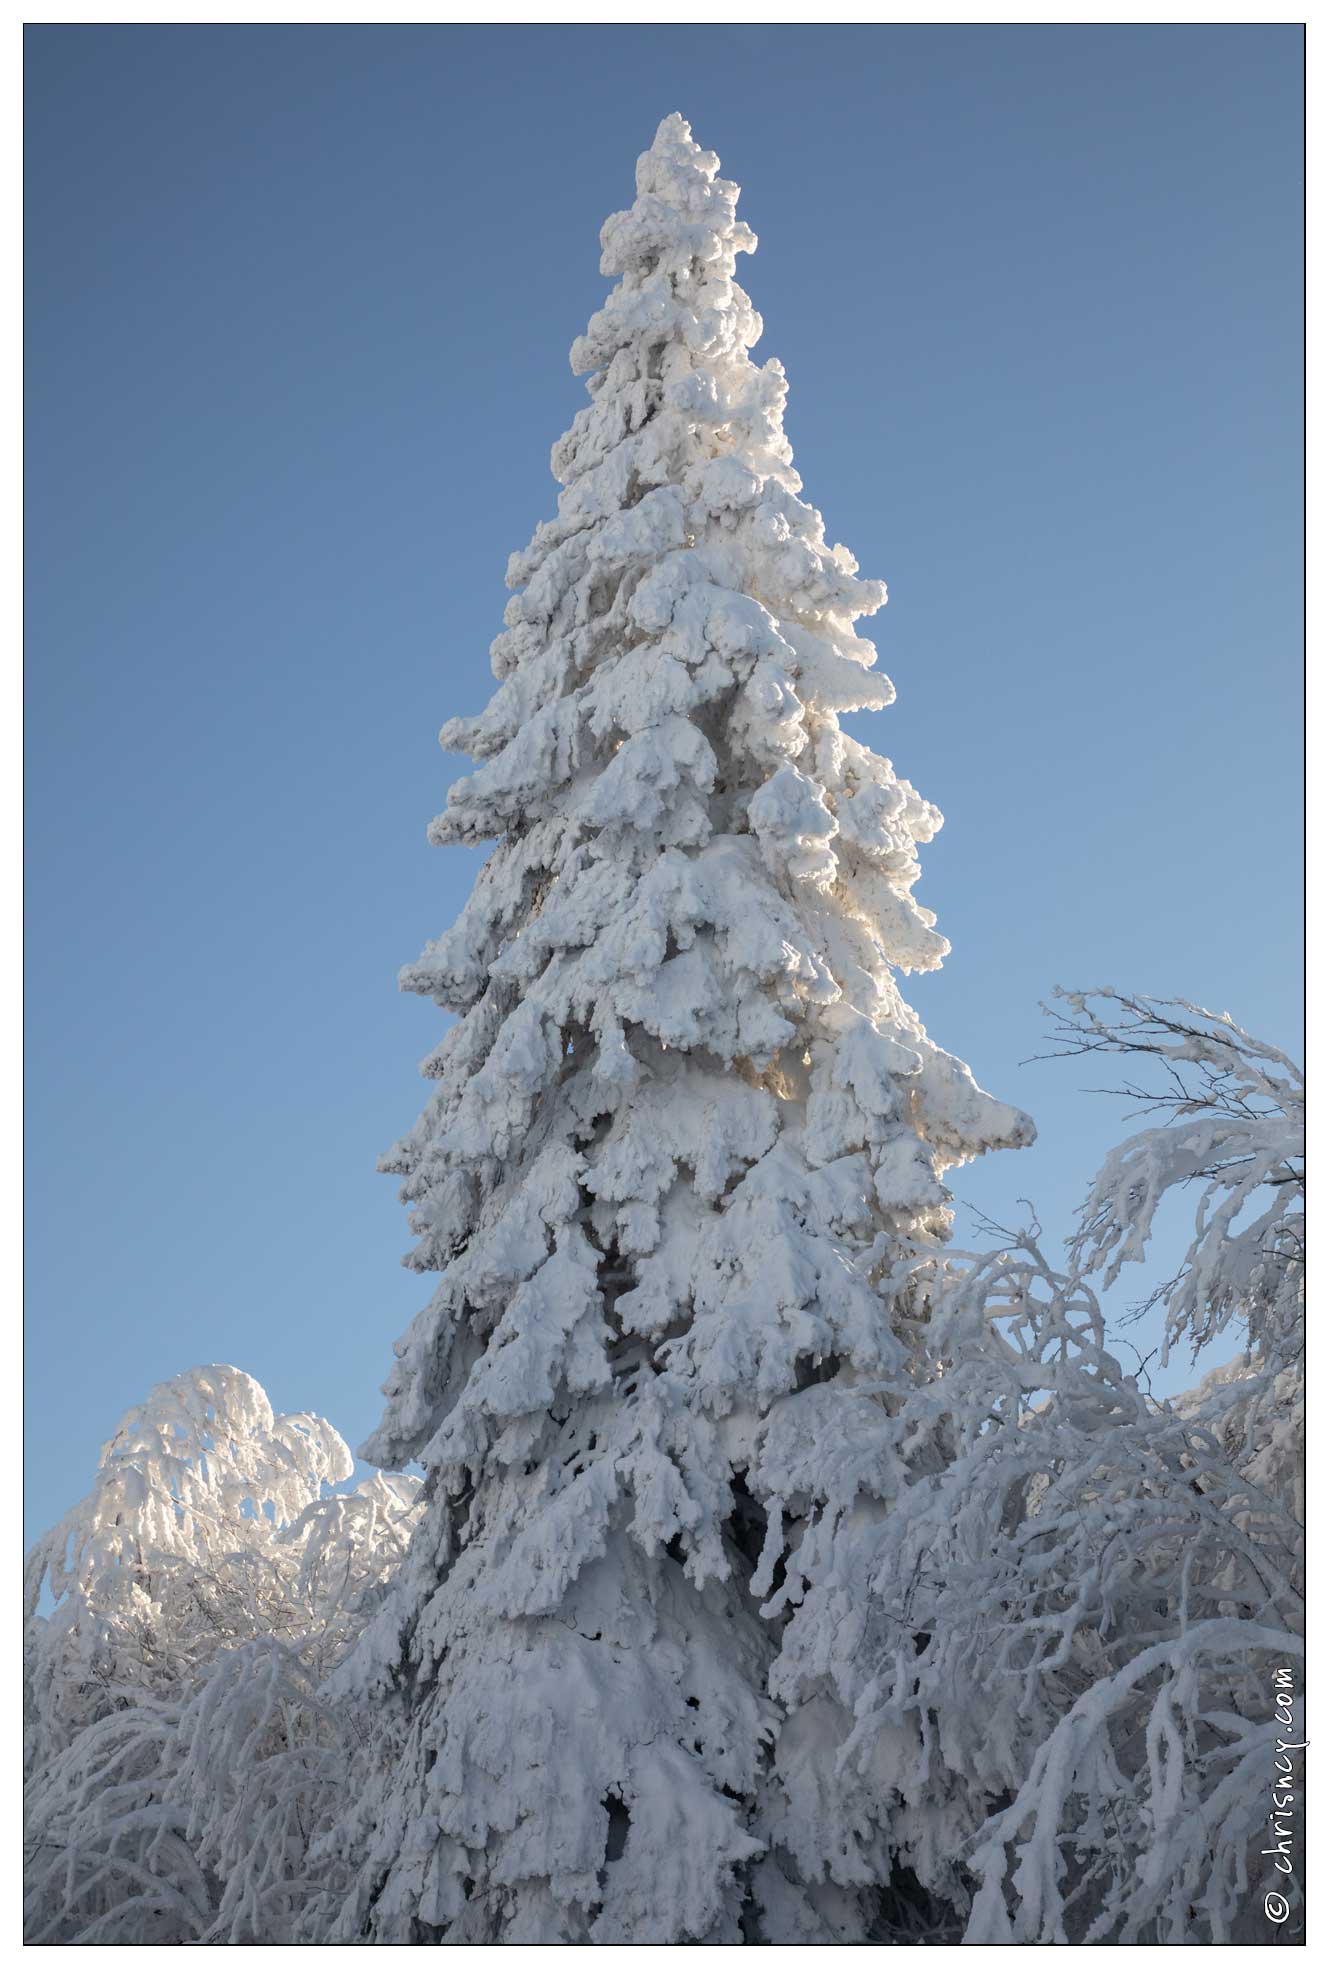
681, 1124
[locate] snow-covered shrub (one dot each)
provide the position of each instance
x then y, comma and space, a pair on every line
181, 1760
1120, 1629
1080, 1602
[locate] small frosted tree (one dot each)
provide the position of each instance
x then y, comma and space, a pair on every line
684, 1131
1101, 1589
173, 1551
181, 1759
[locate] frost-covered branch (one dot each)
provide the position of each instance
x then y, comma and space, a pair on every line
1235, 1131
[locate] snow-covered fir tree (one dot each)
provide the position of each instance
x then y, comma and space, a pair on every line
686, 1140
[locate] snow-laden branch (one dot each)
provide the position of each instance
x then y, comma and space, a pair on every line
1235, 1132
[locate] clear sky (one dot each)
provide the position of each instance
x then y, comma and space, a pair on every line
299, 305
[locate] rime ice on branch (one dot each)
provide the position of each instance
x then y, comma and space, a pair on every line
681, 1126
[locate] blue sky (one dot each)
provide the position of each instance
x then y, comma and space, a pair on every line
298, 309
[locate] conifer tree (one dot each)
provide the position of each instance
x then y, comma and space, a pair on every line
684, 1137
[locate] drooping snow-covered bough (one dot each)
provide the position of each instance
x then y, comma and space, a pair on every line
682, 1127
